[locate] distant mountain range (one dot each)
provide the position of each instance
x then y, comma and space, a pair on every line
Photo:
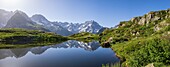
19, 19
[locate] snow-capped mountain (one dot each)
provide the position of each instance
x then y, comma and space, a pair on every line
19, 19
70, 28
41, 20
88, 26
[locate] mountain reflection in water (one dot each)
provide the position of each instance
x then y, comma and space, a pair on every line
67, 54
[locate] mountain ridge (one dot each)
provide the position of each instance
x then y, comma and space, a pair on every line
4, 17
72, 28
41, 23
21, 20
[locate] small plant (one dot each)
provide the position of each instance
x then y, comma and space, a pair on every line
112, 65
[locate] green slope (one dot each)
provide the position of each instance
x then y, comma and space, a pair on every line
84, 36
21, 36
141, 40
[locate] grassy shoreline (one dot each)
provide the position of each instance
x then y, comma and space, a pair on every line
84, 36
141, 41
141, 52
14, 37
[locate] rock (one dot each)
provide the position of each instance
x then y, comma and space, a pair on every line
157, 28
161, 25
137, 33
135, 19
155, 18
164, 23
142, 21
168, 32
123, 25
106, 44
169, 11
151, 17
150, 65
132, 20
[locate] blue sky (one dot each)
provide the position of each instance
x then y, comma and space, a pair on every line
106, 12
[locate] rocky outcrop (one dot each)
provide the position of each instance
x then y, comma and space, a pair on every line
150, 65
107, 43
161, 25
151, 17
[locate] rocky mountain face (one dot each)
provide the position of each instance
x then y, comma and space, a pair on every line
146, 25
159, 18
65, 28
88, 26
151, 17
156, 20
72, 27
19, 19
41, 20
4, 17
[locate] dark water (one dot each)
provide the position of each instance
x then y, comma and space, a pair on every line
68, 54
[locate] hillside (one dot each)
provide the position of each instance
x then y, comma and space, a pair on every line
142, 40
21, 36
84, 36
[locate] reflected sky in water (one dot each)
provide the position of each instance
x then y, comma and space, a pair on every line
68, 54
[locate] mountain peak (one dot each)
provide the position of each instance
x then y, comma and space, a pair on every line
19, 19
91, 22
2, 10
39, 19
23, 14
19, 12
38, 16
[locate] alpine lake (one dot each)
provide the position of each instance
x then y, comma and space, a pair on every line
71, 53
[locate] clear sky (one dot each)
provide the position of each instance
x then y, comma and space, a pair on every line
106, 12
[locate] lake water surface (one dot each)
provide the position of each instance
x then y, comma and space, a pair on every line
67, 54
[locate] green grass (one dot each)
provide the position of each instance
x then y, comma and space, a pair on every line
10, 38
139, 45
118, 64
84, 36
7, 46
142, 51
